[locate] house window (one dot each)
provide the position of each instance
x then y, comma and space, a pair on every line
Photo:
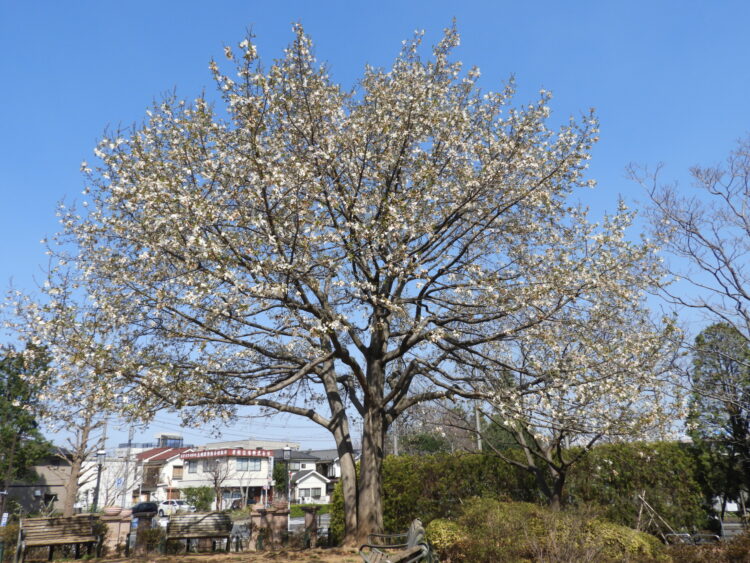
177, 472
304, 492
210, 465
248, 464
315, 492
294, 466
192, 466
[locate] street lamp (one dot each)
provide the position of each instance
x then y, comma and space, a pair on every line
100, 456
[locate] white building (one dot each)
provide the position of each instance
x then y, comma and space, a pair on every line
242, 475
241, 469
309, 487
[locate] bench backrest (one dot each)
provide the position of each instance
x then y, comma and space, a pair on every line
190, 524
38, 529
415, 535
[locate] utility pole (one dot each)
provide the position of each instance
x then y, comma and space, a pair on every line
124, 501
478, 427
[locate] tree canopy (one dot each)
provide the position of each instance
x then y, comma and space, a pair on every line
719, 418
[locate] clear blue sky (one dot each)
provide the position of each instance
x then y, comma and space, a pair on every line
669, 81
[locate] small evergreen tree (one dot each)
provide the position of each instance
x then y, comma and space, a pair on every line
21, 441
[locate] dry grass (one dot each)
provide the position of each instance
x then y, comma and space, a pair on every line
330, 555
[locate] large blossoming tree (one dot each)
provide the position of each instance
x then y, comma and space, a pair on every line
328, 253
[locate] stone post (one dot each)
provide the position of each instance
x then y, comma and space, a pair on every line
311, 525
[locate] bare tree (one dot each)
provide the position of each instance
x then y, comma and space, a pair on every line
218, 472
707, 232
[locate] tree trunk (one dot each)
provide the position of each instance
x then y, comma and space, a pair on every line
345, 450
556, 497
71, 486
349, 491
8, 477
370, 486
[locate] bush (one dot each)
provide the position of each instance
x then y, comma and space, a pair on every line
336, 523
613, 475
735, 551
491, 530
9, 535
200, 497
296, 509
434, 486
152, 537
448, 538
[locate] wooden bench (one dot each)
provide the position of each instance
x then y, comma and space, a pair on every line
411, 546
52, 532
214, 525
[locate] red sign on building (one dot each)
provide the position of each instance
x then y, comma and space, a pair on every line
226, 452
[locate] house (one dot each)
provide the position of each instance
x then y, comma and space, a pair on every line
242, 475
309, 487
161, 473
297, 461
45, 491
327, 464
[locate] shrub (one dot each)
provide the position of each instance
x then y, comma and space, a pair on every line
200, 497
9, 535
296, 509
152, 537
448, 538
491, 530
435, 486
613, 475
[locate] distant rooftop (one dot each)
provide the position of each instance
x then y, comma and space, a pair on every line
150, 445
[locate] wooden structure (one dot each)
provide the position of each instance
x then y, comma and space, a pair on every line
213, 525
53, 532
409, 547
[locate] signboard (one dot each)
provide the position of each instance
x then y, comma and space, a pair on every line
4, 520
119, 481
226, 452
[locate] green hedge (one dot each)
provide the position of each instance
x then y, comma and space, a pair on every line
611, 476
435, 486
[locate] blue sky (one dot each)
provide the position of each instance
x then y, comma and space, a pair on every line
669, 81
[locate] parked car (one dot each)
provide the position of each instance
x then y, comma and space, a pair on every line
145, 508
169, 507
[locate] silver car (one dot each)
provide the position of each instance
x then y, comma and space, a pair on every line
169, 507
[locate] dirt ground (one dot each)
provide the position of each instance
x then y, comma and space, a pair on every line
328, 555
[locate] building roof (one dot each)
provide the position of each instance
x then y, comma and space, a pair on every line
160, 454
296, 455
251, 444
302, 475
325, 455
330, 454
